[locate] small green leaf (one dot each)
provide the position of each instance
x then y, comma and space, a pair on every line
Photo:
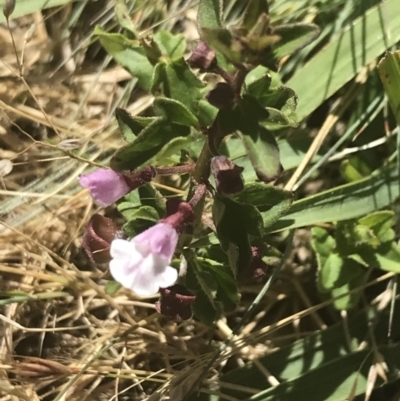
380, 223
158, 77
263, 152
235, 222
131, 126
174, 111
294, 37
323, 245
227, 291
222, 41
112, 287
123, 17
139, 219
209, 14
259, 87
330, 272
388, 257
204, 310
254, 9
273, 202
389, 71
207, 113
181, 84
170, 45
147, 145
129, 54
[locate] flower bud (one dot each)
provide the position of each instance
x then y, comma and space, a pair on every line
203, 57
107, 186
258, 268
227, 175
221, 96
179, 213
101, 231
176, 302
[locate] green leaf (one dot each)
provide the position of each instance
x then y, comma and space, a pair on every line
389, 71
356, 46
330, 272
235, 222
123, 17
388, 257
25, 7
323, 245
254, 9
272, 201
294, 37
207, 113
171, 45
139, 219
209, 14
131, 126
147, 145
227, 291
259, 87
263, 152
222, 41
380, 223
158, 77
344, 202
181, 84
129, 54
175, 112
112, 287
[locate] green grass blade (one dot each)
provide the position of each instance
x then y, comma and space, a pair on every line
24, 7
343, 57
344, 202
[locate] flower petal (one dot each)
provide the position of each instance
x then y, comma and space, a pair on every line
121, 249
167, 278
105, 186
162, 239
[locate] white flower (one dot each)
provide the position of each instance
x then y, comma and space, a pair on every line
143, 263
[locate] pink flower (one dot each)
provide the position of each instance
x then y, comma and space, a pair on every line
105, 186
143, 263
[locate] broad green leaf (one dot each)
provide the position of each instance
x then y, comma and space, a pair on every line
342, 59
272, 201
235, 222
170, 45
129, 54
205, 279
294, 37
181, 84
147, 145
209, 14
344, 202
131, 126
389, 71
174, 111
